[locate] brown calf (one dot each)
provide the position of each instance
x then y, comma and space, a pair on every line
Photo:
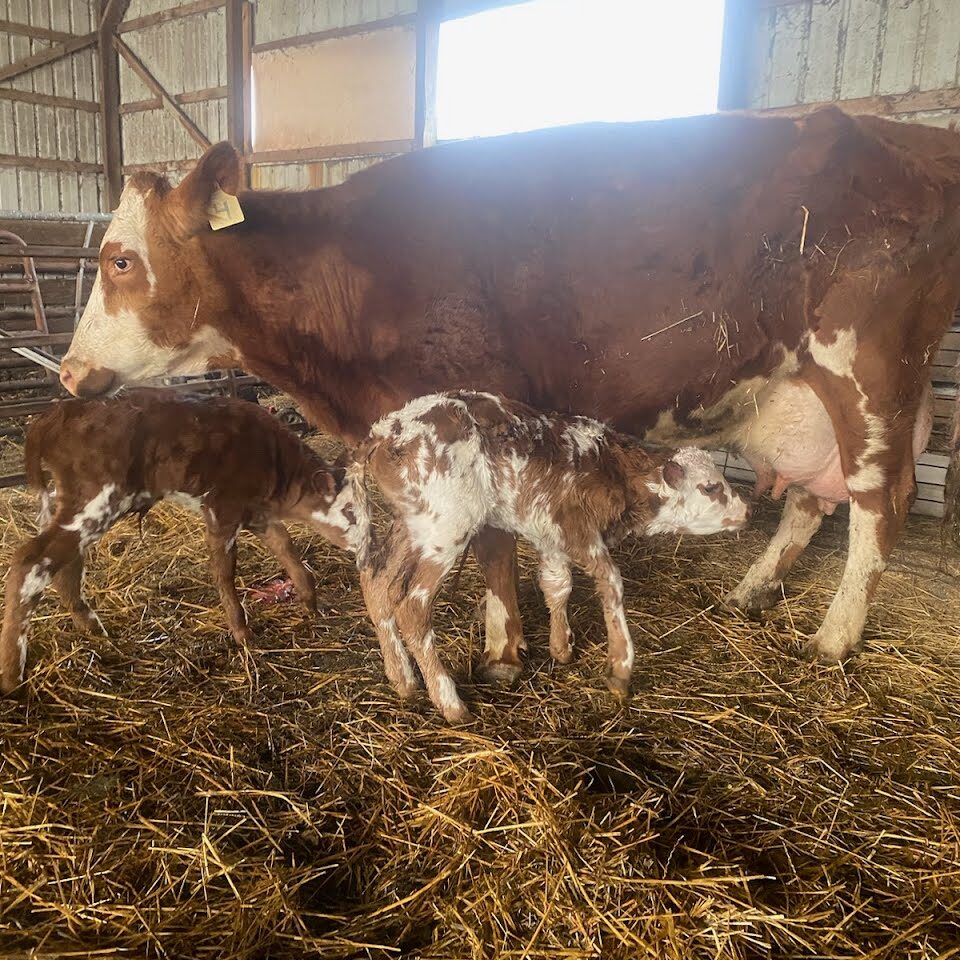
230, 460
450, 464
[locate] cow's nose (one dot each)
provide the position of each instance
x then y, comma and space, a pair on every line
82, 380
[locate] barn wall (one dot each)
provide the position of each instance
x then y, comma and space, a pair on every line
277, 20
51, 132
904, 51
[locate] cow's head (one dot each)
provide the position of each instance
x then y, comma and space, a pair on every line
149, 308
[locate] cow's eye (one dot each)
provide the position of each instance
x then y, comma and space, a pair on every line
122, 264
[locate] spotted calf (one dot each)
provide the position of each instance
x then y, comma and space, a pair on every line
229, 460
450, 464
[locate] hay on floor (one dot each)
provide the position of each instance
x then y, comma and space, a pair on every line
165, 796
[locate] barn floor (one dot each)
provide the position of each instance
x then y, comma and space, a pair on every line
164, 796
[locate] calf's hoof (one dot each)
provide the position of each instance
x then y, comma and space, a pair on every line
242, 637
754, 600
564, 655
618, 686
86, 621
830, 646
456, 716
407, 689
13, 689
500, 672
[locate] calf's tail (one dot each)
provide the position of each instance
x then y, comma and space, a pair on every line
33, 453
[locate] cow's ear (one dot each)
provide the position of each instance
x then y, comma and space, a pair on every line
187, 204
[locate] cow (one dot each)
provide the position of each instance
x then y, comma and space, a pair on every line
228, 460
675, 278
450, 464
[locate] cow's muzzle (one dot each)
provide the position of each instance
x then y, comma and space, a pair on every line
82, 380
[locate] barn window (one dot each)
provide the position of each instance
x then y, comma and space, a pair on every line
544, 63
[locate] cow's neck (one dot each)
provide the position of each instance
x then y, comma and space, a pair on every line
290, 302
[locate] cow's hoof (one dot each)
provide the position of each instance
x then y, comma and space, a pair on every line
499, 672
618, 686
753, 601
829, 647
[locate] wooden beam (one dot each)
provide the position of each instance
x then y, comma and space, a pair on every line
425, 90
894, 104
455, 9
138, 67
159, 166
734, 88
306, 39
50, 55
235, 74
192, 96
247, 24
335, 152
48, 163
37, 33
111, 13
173, 13
46, 100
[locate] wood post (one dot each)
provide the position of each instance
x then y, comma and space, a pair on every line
111, 13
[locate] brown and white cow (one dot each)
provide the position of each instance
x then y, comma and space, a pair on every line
673, 278
450, 464
228, 460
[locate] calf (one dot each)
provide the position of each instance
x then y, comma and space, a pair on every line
229, 460
451, 463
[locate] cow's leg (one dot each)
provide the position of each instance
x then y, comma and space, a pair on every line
555, 582
68, 582
222, 547
598, 564
34, 565
414, 619
496, 552
278, 541
877, 516
761, 586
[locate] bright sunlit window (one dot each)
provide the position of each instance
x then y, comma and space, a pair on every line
549, 62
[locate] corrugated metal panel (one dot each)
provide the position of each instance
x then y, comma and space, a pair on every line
304, 176
35, 130
280, 19
185, 55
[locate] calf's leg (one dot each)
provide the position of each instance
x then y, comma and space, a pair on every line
222, 547
496, 552
761, 586
68, 583
555, 582
34, 565
278, 541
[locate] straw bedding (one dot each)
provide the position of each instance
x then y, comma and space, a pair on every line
164, 795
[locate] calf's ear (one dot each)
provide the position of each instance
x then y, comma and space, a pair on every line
187, 203
672, 474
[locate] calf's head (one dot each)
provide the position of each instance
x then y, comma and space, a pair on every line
694, 497
150, 310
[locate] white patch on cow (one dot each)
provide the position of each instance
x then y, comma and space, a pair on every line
838, 357
36, 580
336, 516
419, 595
186, 500
447, 692
496, 618
48, 504
686, 508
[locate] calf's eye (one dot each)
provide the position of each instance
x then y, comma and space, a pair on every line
122, 264
713, 488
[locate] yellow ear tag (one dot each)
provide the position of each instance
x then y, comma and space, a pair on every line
224, 210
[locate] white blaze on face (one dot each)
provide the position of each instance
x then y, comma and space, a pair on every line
695, 497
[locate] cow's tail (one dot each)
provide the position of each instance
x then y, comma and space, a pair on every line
950, 525
357, 477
